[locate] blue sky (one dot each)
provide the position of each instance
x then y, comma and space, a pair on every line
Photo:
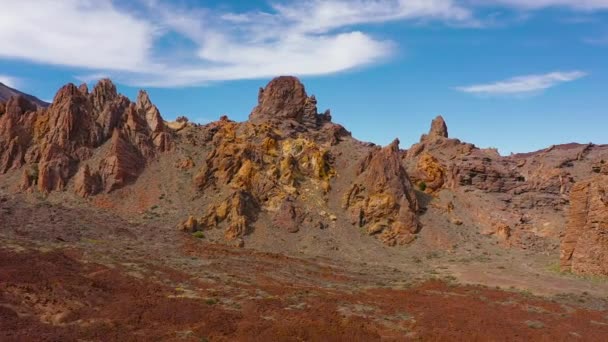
519, 75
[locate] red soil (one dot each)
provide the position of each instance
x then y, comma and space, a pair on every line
55, 296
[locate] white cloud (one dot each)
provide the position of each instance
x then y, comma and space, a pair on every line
10, 81
322, 15
313, 37
79, 33
301, 38
587, 5
524, 84
159, 43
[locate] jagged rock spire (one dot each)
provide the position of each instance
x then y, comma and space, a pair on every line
285, 98
439, 129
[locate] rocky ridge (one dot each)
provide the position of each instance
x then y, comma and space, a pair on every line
289, 169
56, 144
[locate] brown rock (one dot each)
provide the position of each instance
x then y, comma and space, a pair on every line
103, 94
236, 212
84, 89
584, 246
503, 232
285, 98
16, 132
382, 197
439, 129
431, 172
287, 218
123, 163
57, 139
87, 183
191, 225
185, 164
150, 112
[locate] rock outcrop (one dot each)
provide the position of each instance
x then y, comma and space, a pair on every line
584, 247
441, 162
284, 102
16, 132
260, 169
54, 145
382, 200
439, 129
290, 169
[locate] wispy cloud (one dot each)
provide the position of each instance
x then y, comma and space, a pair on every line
170, 43
523, 84
600, 40
313, 37
10, 81
585, 5
79, 33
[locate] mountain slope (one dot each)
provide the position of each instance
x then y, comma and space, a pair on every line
7, 92
290, 174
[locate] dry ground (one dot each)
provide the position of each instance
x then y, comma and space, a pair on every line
75, 273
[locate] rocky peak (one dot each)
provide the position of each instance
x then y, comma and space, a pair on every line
56, 143
64, 93
103, 93
84, 89
439, 129
68, 121
18, 105
148, 110
285, 98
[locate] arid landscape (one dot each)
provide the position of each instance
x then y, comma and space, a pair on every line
116, 225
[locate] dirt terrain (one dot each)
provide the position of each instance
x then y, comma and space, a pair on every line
116, 225
82, 274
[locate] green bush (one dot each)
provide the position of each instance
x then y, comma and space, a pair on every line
422, 186
198, 235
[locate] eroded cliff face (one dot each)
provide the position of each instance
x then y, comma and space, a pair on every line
382, 199
291, 169
584, 247
280, 165
55, 144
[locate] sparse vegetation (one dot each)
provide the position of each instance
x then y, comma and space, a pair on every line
198, 235
422, 186
535, 324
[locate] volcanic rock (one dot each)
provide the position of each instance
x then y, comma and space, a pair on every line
53, 142
122, 164
260, 168
584, 246
16, 132
285, 98
382, 199
287, 217
439, 129
191, 225
87, 183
